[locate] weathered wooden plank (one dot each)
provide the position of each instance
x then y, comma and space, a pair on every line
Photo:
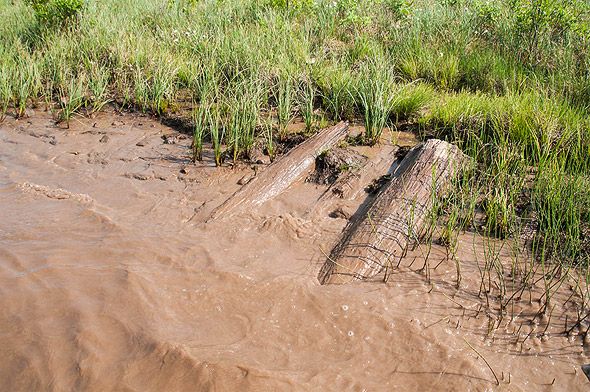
375, 239
280, 174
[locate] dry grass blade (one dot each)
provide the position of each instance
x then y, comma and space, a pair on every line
485, 360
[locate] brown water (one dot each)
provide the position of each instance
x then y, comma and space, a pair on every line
110, 280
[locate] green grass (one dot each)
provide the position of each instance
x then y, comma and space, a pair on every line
375, 95
199, 130
307, 97
71, 98
243, 109
509, 83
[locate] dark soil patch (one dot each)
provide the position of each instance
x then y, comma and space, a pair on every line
288, 142
377, 184
331, 164
402, 152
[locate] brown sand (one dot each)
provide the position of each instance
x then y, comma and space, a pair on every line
110, 280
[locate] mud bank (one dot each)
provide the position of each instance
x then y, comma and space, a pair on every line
111, 280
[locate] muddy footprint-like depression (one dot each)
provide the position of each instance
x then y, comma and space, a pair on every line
125, 266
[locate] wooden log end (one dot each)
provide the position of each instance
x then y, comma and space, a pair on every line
283, 172
397, 215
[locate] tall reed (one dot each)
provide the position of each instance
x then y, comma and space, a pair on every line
376, 100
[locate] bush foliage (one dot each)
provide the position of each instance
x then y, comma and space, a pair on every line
56, 12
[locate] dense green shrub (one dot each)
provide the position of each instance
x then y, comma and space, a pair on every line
352, 13
487, 15
544, 21
292, 5
56, 12
399, 8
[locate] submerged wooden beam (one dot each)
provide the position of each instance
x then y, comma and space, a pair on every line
371, 242
280, 174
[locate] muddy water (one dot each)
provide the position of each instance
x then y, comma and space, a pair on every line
110, 280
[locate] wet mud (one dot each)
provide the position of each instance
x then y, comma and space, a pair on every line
110, 279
